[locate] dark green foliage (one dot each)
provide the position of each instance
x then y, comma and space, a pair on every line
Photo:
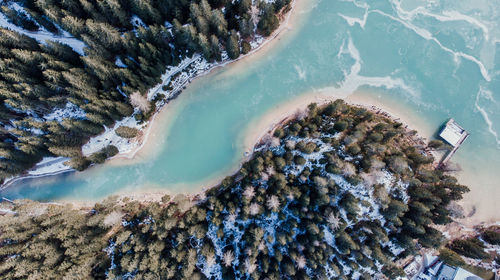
376, 137
491, 236
244, 6
127, 132
279, 4
436, 144
246, 26
103, 154
304, 147
79, 163
232, 45
268, 21
481, 272
245, 47
299, 160
279, 133
340, 125
472, 248
350, 203
354, 149
393, 272
56, 241
395, 210
450, 257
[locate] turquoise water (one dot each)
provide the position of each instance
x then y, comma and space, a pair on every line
436, 58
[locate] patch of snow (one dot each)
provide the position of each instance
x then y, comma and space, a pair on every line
119, 63
269, 224
257, 41
330, 272
329, 238
49, 165
209, 267
196, 62
17, 7
121, 92
35, 131
126, 223
70, 111
137, 21
19, 111
6, 211
109, 137
386, 179
403, 186
394, 248
110, 251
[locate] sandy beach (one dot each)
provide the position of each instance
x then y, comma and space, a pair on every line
481, 203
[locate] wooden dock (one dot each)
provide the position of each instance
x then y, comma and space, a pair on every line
455, 135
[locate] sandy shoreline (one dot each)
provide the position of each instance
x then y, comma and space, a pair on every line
480, 204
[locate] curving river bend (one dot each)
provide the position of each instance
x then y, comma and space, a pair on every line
430, 59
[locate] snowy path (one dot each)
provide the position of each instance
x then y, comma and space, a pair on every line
42, 35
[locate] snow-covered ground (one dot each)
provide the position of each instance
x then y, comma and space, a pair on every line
49, 165
6, 211
70, 111
109, 137
119, 63
43, 35
169, 73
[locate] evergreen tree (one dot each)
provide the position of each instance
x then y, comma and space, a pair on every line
215, 48
232, 45
268, 21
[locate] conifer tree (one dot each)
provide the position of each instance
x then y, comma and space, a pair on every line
232, 45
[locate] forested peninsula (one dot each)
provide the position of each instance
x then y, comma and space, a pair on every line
54, 97
337, 192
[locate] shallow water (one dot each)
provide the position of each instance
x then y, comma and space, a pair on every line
436, 58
